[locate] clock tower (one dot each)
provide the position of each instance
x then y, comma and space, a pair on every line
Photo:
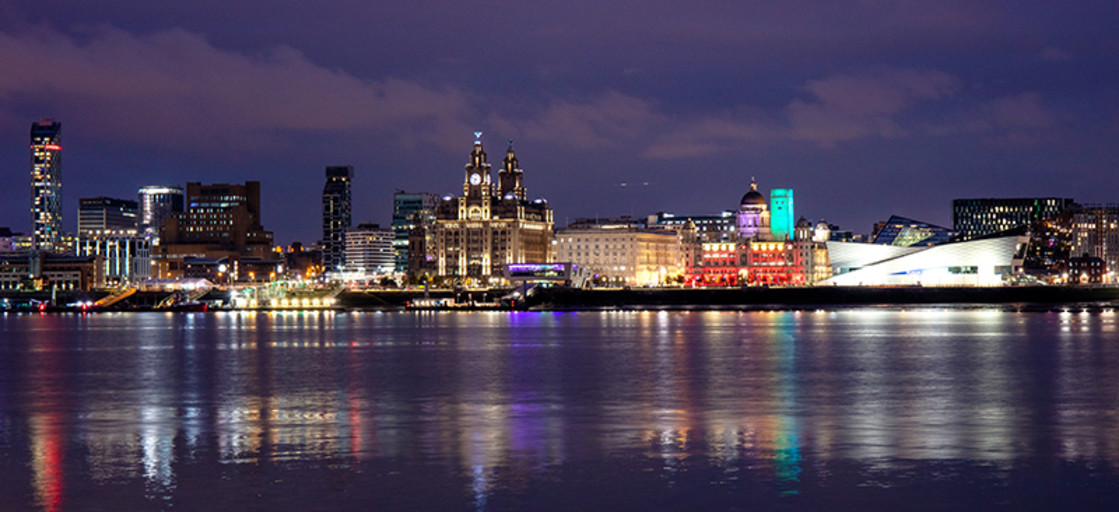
476, 187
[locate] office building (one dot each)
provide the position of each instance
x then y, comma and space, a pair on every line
157, 203
708, 228
220, 221
1095, 233
492, 224
369, 250
46, 186
973, 218
106, 214
336, 208
619, 252
411, 213
123, 256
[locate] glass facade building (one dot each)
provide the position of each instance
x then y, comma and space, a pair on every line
336, 208
409, 212
157, 203
904, 232
973, 218
46, 185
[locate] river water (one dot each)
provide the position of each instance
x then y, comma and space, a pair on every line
849, 409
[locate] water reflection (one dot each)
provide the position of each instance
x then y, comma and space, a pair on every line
769, 399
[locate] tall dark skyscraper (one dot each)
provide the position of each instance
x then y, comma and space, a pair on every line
46, 185
335, 215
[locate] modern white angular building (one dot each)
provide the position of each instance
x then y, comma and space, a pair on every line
982, 262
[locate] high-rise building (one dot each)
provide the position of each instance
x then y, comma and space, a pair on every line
336, 215
409, 211
1095, 233
99, 214
973, 218
156, 204
46, 185
221, 221
492, 224
369, 249
781, 218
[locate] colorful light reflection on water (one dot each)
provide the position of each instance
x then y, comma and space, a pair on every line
962, 409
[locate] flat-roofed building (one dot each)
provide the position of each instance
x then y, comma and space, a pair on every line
620, 253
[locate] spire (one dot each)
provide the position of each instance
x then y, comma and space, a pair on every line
477, 138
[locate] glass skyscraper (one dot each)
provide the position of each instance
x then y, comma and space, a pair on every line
46, 185
335, 215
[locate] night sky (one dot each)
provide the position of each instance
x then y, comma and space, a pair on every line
864, 108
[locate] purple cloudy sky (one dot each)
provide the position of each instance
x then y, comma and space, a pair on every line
865, 108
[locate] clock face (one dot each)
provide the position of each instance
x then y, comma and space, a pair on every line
475, 179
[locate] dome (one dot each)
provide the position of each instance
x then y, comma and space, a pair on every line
804, 223
753, 197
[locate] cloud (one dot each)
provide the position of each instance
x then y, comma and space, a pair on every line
853, 106
201, 95
602, 121
834, 109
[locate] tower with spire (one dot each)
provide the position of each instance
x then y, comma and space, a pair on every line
492, 224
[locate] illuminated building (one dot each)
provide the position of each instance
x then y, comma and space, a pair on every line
973, 218
336, 215
708, 228
411, 211
718, 264
45, 270
7, 240
156, 204
619, 252
1086, 269
123, 256
904, 232
369, 250
753, 213
1095, 232
46, 185
980, 262
781, 216
106, 214
492, 224
221, 221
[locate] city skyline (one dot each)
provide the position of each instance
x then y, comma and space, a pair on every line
865, 109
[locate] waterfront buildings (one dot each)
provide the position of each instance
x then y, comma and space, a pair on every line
981, 262
41, 270
122, 256
336, 209
492, 224
973, 218
157, 203
221, 221
46, 185
620, 252
412, 213
369, 250
106, 214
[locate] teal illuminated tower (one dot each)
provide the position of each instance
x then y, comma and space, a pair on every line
781, 217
